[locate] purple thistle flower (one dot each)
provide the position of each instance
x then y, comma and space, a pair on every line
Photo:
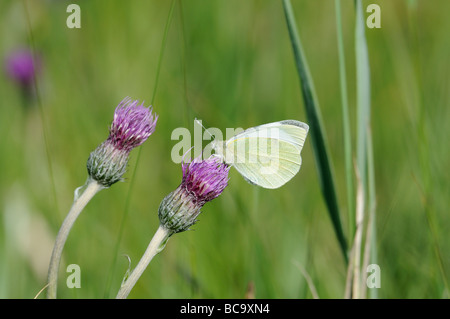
206, 179
132, 125
21, 68
203, 180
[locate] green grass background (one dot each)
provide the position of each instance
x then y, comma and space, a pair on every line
229, 63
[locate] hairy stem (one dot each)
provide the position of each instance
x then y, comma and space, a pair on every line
156, 245
81, 199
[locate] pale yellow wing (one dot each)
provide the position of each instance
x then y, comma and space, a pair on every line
267, 155
269, 163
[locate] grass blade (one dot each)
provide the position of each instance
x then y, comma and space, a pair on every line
362, 93
371, 236
130, 189
364, 156
318, 136
41, 112
345, 124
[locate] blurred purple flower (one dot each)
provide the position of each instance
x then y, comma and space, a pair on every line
21, 68
132, 125
203, 180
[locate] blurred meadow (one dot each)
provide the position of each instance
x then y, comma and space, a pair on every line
230, 64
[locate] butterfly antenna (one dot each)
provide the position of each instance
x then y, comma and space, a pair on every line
187, 152
206, 130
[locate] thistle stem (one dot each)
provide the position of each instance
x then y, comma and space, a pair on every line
90, 189
156, 245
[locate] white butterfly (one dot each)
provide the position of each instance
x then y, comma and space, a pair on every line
267, 155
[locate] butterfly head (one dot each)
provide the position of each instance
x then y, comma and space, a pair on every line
219, 148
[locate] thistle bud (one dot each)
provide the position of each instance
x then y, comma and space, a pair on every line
131, 127
202, 182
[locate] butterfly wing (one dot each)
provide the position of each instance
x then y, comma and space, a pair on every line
268, 155
268, 169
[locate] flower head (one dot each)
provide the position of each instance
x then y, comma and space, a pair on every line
206, 179
203, 180
131, 126
21, 68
